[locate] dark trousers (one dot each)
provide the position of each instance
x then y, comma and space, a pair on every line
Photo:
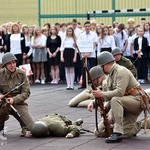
19, 59
91, 62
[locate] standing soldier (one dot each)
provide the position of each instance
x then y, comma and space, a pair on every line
123, 61
11, 77
124, 94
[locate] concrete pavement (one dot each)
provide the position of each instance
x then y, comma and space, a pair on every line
47, 99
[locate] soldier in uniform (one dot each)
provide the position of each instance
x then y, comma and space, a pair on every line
11, 76
124, 94
54, 125
85, 97
123, 61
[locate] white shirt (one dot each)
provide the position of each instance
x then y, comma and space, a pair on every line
41, 40
119, 40
77, 32
67, 42
15, 43
107, 42
91, 37
127, 51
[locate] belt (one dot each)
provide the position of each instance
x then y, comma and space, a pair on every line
134, 91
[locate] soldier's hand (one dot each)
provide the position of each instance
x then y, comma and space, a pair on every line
1, 96
90, 106
28, 134
10, 100
97, 93
69, 135
110, 119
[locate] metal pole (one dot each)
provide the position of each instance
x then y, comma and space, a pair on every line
39, 12
113, 8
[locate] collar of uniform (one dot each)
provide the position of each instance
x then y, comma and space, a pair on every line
112, 69
9, 74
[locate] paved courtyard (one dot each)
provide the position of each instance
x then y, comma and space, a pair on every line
46, 99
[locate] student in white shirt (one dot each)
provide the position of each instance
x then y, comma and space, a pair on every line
121, 37
69, 56
16, 43
90, 38
106, 42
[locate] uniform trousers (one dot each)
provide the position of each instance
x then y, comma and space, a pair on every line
125, 111
25, 115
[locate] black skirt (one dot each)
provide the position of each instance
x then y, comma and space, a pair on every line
68, 57
106, 49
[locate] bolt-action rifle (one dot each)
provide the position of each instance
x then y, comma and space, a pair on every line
13, 110
99, 102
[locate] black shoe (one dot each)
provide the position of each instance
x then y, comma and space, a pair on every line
81, 87
67, 88
71, 88
78, 122
114, 138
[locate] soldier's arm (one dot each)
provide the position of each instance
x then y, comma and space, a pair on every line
24, 92
73, 131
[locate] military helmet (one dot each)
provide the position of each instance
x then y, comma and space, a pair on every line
96, 72
105, 57
7, 58
116, 51
39, 129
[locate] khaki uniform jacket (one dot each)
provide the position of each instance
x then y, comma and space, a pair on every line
119, 79
9, 81
128, 64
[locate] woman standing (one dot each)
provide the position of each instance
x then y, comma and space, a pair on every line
69, 56
16, 43
53, 49
141, 51
27, 55
106, 42
39, 55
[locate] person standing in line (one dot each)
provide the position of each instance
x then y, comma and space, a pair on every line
121, 37
78, 65
11, 77
141, 54
27, 55
106, 42
38, 43
16, 43
53, 48
87, 37
69, 56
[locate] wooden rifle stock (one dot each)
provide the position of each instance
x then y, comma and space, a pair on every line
99, 102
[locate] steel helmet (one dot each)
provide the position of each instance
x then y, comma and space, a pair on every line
39, 129
116, 51
8, 57
105, 57
96, 72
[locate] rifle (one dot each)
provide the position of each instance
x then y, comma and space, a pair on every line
13, 110
99, 102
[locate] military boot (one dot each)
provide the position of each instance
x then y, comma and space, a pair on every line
114, 138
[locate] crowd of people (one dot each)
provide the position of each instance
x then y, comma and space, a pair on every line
117, 57
53, 51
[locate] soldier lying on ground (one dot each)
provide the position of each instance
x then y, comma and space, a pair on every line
85, 97
53, 125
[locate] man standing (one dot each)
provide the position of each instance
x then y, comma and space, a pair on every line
11, 77
87, 41
124, 94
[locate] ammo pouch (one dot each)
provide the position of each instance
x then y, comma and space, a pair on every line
138, 91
